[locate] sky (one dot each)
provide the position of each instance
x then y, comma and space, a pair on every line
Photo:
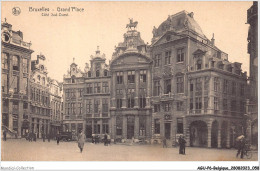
62, 38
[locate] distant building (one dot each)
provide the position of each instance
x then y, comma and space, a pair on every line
16, 59
252, 104
40, 107
130, 67
56, 100
87, 97
197, 92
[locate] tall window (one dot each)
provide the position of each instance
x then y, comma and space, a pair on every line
180, 84
168, 57
216, 84
156, 88
199, 64
15, 63
97, 73
242, 89
234, 87
5, 59
142, 124
89, 105
191, 87
96, 106
105, 105
25, 65
119, 125
180, 55
167, 107
157, 61
105, 87
143, 76
4, 83
179, 106
119, 103
198, 103
156, 107
179, 125
131, 76
167, 86
119, 91
156, 126
80, 108
191, 104
89, 88
80, 92
73, 108
142, 102
105, 73
225, 105
198, 84
225, 86
206, 103
216, 104
89, 73
130, 99
97, 87
119, 77
15, 83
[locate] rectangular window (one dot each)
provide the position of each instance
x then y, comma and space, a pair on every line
142, 102
180, 84
180, 55
234, 87
131, 76
142, 124
191, 87
5, 59
130, 100
168, 57
198, 103
225, 86
156, 107
198, 85
89, 106
156, 88
206, 102
105, 127
216, 104
156, 126
119, 124
191, 104
157, 61
15, 83
143, 76
119, 103
119, 91
105, 87
4, 83
105, 105
167, 86
216, 84
242, 89
15, 63
179, 106
96, 106
225, 105
89, 88
73, 108
167, 107
179, 125
80, 92
96, 87
119, 77
25, 65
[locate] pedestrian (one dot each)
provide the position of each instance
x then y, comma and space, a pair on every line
43, 137
108, 139
81, 141
105, 140
34, 136
93, 139
164, 142
49, 137
30, 136
241, 146
4, 134
183, 145
180, 145
58, 138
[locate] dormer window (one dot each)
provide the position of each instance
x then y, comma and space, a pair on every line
97, 73
89, 74
105, 73
199, 64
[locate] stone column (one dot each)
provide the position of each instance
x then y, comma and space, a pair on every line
70, 127
10, 115
20, 118
228, 134
211, 96
35, 125
124, 89
40, 128
148, 83
113, 126
219, 136
137, 85
136, 131
186, 131
101, 126
209, 124
124, 127
148, 124
113, 90
92, 126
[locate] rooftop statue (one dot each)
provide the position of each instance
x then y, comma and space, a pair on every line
131, 24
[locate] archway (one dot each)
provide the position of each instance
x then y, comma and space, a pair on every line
214, 134
198, 134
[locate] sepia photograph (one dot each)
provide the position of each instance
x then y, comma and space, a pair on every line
163, 84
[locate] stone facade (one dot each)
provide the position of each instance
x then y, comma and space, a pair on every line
16, 59
87, 97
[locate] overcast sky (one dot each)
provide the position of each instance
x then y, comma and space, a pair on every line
103, 24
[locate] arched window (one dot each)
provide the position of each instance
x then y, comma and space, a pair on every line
16, 63
43, 81
105, 73
89, 74
97, 73
199, 64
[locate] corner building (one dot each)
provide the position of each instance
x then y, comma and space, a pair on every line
131, 88
197, 92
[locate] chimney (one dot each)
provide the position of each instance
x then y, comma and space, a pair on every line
213, 40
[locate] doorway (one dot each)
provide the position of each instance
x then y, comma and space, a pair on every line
130, 127
167, 130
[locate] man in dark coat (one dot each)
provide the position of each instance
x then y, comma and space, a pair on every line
164, 143
4, 134
34, 137
241, 147
105, 140
58, 138
182, 143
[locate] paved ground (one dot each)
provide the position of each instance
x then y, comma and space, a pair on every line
22, 150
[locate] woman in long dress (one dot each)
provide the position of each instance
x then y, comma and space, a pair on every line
81, 141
